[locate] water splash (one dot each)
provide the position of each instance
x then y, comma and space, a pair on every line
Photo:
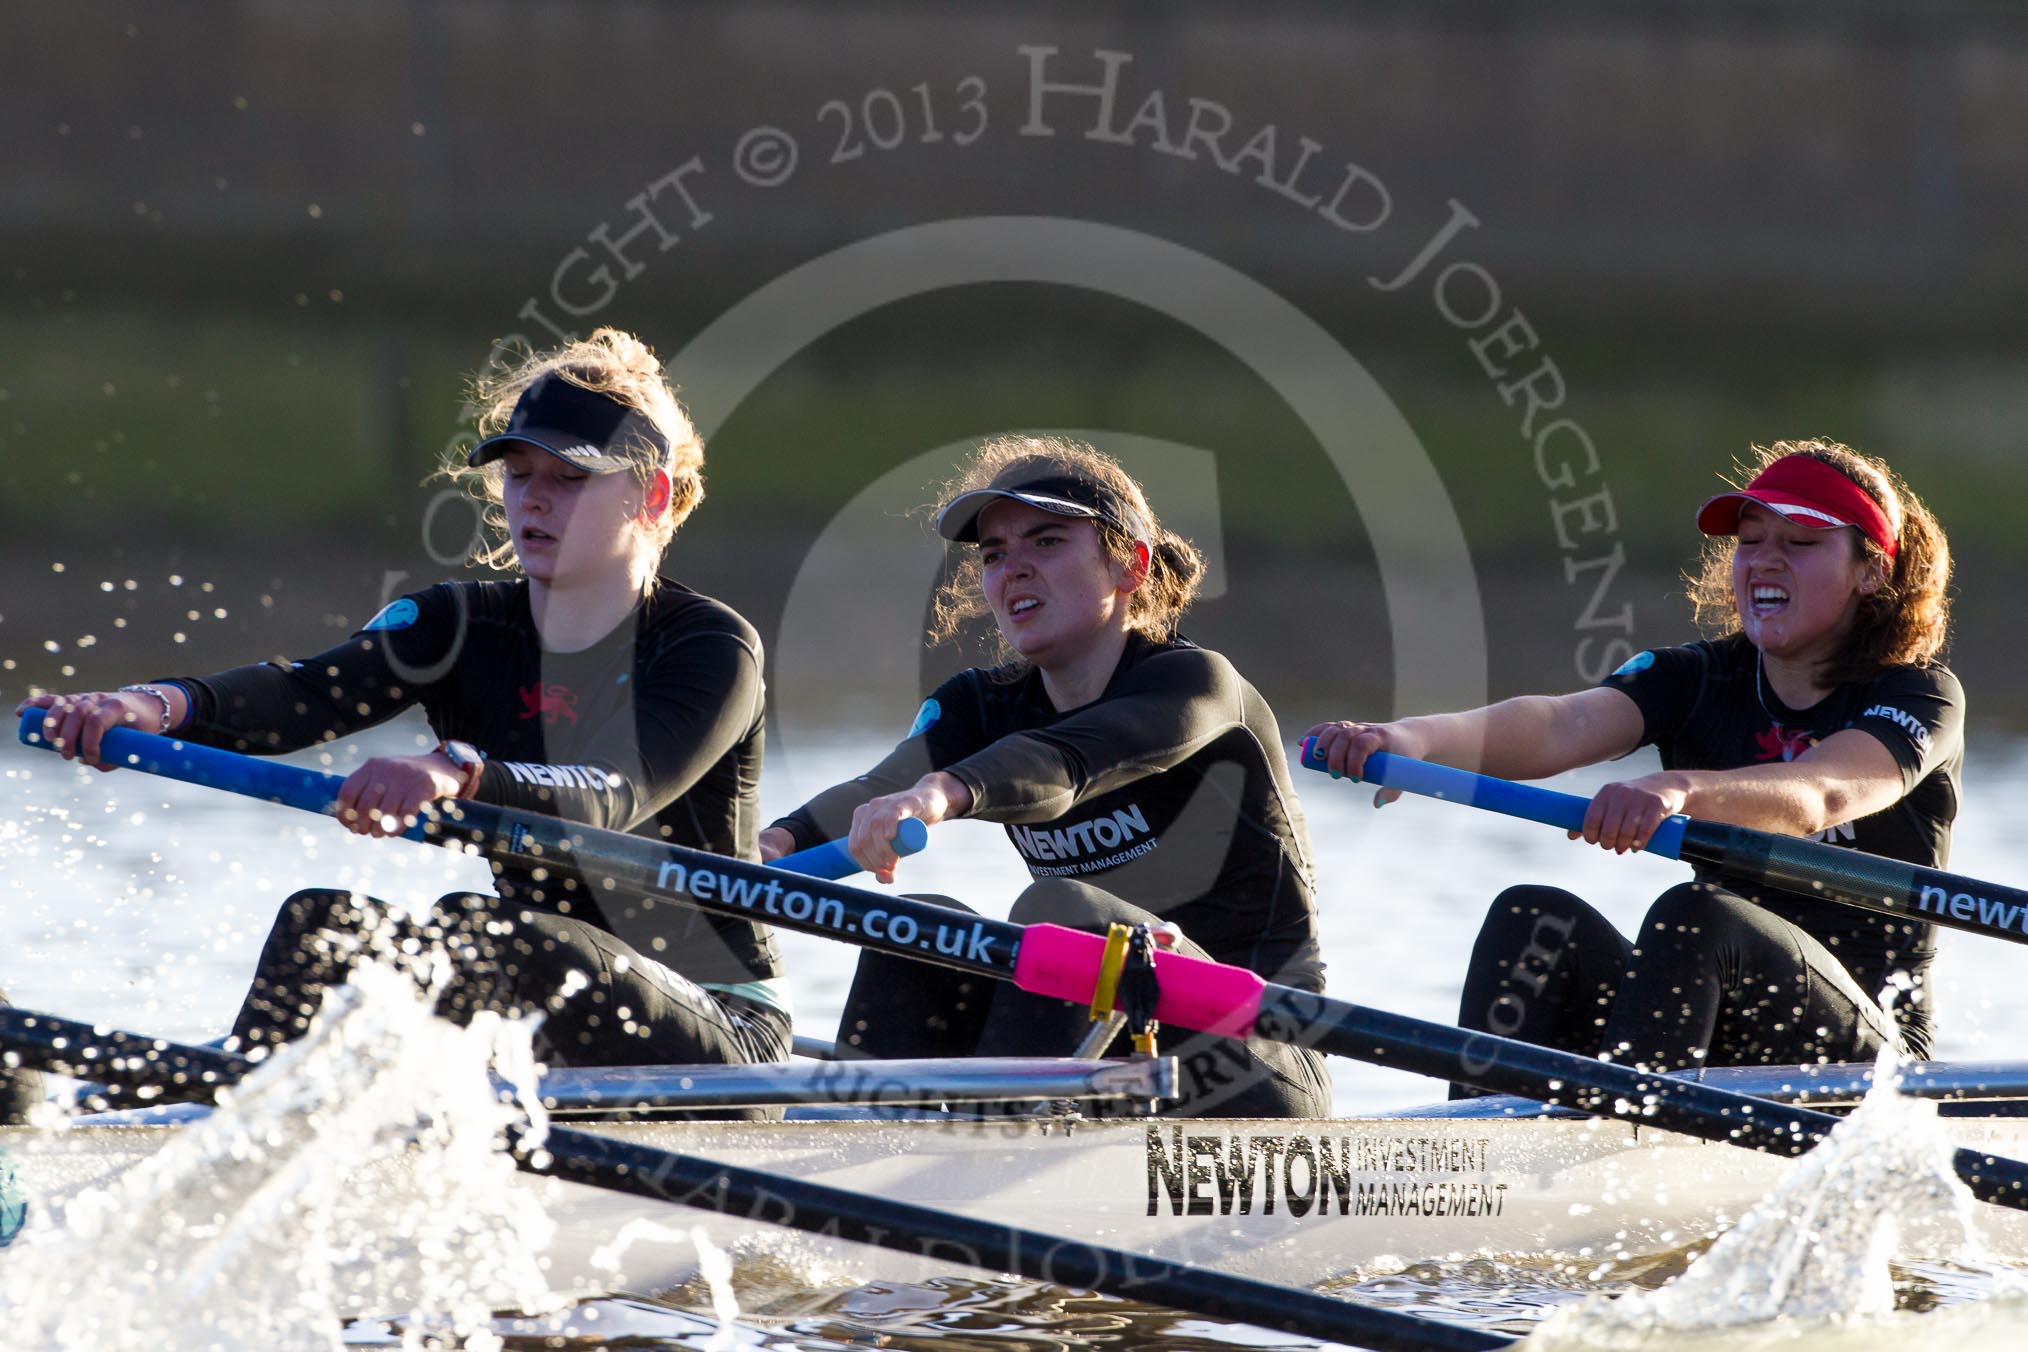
1817, 1248
714, 1268
1999, 1324
357, 1171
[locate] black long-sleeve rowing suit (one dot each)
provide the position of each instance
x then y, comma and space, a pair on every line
1720, 973
654, 730
1168, 796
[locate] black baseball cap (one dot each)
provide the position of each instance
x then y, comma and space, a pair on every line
1063, 494
582, 427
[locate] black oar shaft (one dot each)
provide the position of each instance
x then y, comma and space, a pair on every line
156, 1068
606, 1162
1747, 859
937, 934
1753, 859
1600, 1088
632, 878
69, 1047
635, 880
1505, 1066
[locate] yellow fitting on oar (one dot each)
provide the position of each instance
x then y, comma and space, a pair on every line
1108, 988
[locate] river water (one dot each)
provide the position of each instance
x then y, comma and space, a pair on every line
141, 903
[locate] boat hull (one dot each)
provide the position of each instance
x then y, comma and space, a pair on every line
1301, 1202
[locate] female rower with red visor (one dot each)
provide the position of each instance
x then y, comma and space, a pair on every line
590, 687
1140, 777
1821, 711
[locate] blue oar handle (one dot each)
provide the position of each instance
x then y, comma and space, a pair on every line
271, 781
314, 791
1494, 795
832, 860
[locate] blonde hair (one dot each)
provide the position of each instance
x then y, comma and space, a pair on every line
1175, 568
1905, 621
615, 364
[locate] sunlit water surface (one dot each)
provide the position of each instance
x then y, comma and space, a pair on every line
141, 904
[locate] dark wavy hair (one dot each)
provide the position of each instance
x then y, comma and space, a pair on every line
1906, 621
1175, 568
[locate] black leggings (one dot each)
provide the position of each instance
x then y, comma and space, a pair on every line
1711, 979
902, 1008
621, 1009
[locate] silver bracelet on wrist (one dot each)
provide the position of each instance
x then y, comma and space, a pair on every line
159, 693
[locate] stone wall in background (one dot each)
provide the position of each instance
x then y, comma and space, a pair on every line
1816, 165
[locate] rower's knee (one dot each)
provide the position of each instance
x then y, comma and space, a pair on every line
1066, 902
1528, 928
1693, 907
1527, 906
324, 930
544, 960
320, 908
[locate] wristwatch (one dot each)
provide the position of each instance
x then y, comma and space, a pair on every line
471, 763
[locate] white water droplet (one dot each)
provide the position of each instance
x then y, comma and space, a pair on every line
354, 1171
1818, 1246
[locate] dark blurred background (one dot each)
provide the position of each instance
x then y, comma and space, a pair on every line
250, 249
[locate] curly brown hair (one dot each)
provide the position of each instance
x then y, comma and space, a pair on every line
1175, 568
1905, 621
612, 362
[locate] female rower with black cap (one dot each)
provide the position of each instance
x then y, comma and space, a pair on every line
1821, 711
591, 688
1138, 775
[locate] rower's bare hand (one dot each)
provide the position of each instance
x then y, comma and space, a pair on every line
74, 724
385, 796
1345, 745
774, 843
930, 800
871, 841
1626, 815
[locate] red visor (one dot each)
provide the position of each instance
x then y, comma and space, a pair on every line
1806, 491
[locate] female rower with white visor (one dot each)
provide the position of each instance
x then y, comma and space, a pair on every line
590, 687
1140, 778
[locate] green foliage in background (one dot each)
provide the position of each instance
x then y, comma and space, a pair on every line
167, 423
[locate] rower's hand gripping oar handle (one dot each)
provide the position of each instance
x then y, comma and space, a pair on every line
1052, 960
1747, 859
1505, 797
315, 791
832, 861
209, 767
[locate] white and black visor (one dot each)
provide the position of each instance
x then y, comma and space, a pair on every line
1060, 494
585, 428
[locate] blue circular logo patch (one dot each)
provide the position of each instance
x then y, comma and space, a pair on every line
400, 615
